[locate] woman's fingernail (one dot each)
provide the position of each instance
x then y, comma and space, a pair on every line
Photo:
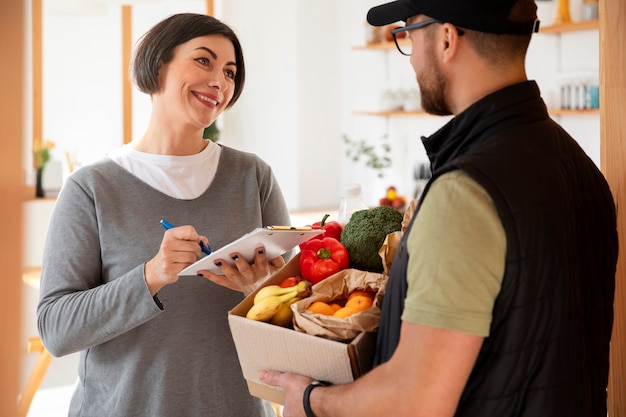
261, 251
218, 263
200, 275
235, 257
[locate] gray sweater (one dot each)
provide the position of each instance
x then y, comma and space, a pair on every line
136, 359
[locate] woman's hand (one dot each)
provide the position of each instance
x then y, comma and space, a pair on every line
244, 277
180, 248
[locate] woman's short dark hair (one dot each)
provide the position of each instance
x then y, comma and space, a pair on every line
157, 45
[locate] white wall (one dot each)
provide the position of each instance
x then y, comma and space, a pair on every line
264, 120
303, 82
82, 82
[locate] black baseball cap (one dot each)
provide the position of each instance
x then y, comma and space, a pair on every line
490, 16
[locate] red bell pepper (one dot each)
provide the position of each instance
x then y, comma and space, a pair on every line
331, 229
321, 258
290, 281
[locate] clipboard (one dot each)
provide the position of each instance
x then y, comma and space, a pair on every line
276, 239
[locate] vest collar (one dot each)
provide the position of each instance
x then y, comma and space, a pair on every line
455, 137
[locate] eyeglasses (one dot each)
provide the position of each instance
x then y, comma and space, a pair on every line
405, 47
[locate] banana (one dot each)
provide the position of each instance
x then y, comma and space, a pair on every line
265, 309
269, 300
271, 290
284, 315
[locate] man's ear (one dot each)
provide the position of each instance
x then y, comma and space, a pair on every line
449, 41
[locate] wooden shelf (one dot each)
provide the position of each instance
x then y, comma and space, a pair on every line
402, 113
379, 46
556, 28
564, 112
571, 27
389, 113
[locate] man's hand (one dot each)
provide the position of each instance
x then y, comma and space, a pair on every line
293, 385
425, 377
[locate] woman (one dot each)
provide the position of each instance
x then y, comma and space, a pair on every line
153, 344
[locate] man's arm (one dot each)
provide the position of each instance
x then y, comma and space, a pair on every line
425, 377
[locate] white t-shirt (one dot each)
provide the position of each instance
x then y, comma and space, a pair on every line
181, 177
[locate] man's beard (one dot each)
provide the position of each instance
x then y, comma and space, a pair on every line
433, 86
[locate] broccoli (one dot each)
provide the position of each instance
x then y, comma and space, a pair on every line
365, 233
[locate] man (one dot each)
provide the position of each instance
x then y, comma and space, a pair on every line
500, 300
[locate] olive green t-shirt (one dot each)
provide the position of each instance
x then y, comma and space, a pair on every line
457, 250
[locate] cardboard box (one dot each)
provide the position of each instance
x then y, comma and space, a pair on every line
264, 346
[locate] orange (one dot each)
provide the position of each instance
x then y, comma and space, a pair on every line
335, 306
360, 302
321, 307
365, 293
344, 312
360, 299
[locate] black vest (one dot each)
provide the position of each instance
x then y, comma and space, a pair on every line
548, 349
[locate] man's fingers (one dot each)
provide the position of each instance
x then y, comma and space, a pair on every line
270, 377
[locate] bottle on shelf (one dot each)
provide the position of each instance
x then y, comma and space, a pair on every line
562, 12
351, 201
590, 10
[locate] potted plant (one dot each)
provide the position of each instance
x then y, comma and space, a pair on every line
376, 157
41, 156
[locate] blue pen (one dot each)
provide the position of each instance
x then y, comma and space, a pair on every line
167, 225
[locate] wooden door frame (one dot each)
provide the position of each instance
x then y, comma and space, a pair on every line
13, 17
612, 162
127, 87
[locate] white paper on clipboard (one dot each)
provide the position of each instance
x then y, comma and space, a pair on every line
276, 242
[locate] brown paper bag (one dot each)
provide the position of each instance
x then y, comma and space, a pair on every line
392, 240
388, 250
338, 286
408, 214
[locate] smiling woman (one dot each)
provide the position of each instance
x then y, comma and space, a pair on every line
124, 273
156, 48
172, 67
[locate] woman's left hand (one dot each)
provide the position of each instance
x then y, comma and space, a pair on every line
244, 277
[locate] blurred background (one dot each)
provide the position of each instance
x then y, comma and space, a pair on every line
326, 103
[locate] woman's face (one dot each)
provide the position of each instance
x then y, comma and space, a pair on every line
199, 81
